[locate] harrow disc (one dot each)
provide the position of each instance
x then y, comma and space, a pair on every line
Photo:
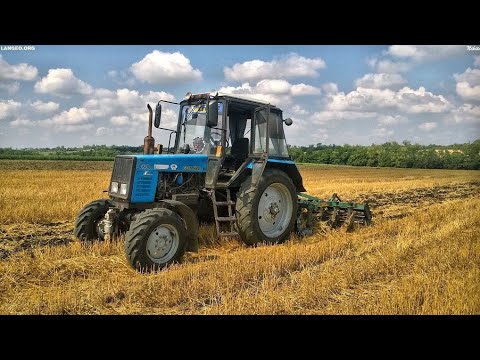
334, 212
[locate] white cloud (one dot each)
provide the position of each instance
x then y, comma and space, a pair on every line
466, 91
467, 113
389, 66
268, 86
45, 107
322, 117
382, 132
9, 108
421, 101
22, 71
405, 99
379, 81
468, 84
123, 102
83, 128
388, 120
119, 120
303, 89
476, 61
273, 87
9, 87
427, 126
298, 110
62, 82
361, 99
471, 76
20, 123
274, 91
330, 88
103, 131
424, 53
292, 65
162, 67
72, 116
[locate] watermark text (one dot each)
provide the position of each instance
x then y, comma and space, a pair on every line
17, 48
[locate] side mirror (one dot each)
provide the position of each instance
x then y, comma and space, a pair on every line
288, 121
212, 113
158, 115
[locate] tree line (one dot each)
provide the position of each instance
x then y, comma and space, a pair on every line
392, 154
389, 154
88, 152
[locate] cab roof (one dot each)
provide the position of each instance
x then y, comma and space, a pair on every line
235, 97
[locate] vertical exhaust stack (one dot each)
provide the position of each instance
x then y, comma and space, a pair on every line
149, 141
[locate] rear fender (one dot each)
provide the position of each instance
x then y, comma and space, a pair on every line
291, 169
287, 166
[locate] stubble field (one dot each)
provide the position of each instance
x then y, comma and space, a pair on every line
421, 256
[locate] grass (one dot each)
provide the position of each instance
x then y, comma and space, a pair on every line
421, 256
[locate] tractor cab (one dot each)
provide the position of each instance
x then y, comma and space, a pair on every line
233, 131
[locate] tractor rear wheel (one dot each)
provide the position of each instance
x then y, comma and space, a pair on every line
267, 213
87, 225
156, 238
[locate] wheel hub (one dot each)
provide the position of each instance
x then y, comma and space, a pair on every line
162, 243
274, 210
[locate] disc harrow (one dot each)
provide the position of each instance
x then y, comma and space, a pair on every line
334, 212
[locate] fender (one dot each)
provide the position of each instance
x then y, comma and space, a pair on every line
290, 168
287, 166
189, 218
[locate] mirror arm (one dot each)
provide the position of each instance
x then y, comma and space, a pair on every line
170, 102
173, 131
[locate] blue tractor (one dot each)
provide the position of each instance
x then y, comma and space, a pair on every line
228, 163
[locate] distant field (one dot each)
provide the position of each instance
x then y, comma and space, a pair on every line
421, 256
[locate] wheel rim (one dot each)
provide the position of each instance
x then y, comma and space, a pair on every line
162, 244
275, 210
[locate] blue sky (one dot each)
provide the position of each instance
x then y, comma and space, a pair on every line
80, 95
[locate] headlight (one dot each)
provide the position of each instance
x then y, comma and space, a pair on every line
123, 189
114, 187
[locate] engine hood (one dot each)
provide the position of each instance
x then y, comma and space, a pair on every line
173, 162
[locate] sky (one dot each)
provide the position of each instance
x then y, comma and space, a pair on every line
350, 94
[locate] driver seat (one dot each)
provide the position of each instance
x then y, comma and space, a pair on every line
239, 152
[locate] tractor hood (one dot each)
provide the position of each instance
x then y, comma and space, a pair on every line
173, 163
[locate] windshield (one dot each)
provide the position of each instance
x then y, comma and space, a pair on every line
194, 134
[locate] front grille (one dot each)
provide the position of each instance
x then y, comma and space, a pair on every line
143, 186
122, 169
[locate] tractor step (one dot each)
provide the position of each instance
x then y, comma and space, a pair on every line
228, 227
226, 218
229, 234
225, 203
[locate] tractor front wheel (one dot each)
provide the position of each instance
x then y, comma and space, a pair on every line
156, 238
267, 213
87, 225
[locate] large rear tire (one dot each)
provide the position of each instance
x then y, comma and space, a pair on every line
87, 222
156, 238
268, 213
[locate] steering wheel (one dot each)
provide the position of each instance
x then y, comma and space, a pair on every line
198, 143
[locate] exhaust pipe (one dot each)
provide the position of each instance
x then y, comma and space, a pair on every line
149, 141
